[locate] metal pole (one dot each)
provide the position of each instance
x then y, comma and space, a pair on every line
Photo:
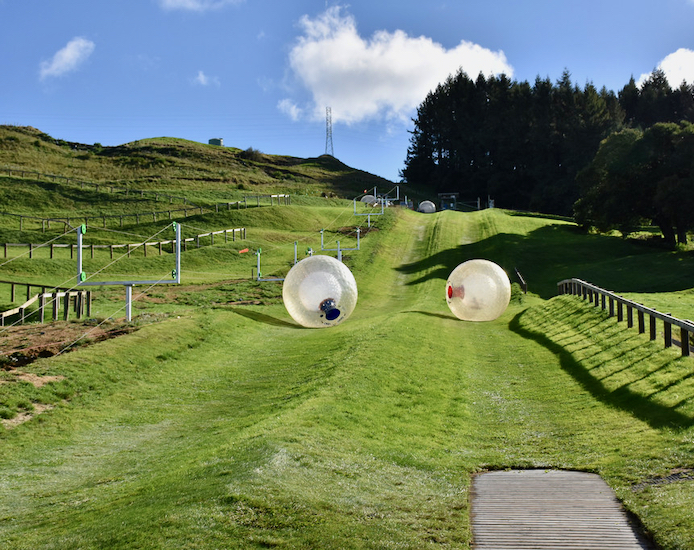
128, 302
358, 233
339, 251
178, 253
79, 254
295, 257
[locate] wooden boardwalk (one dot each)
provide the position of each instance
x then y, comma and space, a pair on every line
542, 509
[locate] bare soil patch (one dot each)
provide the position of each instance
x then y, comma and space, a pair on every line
23, 417
22, 345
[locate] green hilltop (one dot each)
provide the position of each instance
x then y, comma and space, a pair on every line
166, 163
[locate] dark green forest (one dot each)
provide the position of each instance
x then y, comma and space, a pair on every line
524, 144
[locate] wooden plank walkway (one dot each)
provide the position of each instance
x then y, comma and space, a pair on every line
538, 509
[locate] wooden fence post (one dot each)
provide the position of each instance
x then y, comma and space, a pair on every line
642, 322
684, 339
668, 334
66, 306
620, 311
630, 316
652, 327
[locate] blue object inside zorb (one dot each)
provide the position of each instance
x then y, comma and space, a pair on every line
329, 307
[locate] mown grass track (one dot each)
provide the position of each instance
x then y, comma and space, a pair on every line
234, 428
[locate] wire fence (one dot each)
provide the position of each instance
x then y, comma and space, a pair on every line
189, 208
51, 249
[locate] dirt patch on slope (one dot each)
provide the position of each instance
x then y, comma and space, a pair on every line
22, 345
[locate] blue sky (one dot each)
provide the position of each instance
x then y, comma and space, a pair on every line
260, 73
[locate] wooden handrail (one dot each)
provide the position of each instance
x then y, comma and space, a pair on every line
591, 292
82, 298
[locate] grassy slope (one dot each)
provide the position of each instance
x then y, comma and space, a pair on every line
232, 427
203, 173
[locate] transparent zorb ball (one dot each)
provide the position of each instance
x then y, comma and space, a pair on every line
478, 290
319, 291
427, 207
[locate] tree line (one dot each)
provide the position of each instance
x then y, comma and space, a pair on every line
525, 144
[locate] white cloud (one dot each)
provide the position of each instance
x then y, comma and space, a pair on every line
67, 59
291, 109
196, 5
678, 67
203, 80
385, 76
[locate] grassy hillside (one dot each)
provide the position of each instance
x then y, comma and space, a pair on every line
204, 173
226, 425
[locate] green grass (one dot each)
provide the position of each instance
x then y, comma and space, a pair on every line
228, 426
201, 172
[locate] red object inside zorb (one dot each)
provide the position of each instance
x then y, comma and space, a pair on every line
450, 292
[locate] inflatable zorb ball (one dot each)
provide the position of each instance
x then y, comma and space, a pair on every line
427, 207
369, 200
319, 291
478, 290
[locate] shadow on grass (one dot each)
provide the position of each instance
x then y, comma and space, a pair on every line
263, 318
654, 414
432, 314
552, 253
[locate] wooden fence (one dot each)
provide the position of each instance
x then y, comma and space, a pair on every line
239, 231
137, 218
608, 300
22, 173
71, 221
81, 300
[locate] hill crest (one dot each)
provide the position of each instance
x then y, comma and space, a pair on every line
174, 163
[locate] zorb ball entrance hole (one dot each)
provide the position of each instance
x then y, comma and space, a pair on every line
478, 290
319, 291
